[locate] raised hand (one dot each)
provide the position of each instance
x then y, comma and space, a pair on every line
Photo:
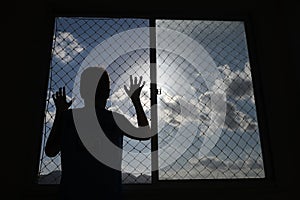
135, 88
60, 100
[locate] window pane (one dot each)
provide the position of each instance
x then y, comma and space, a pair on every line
207, 123
83, 42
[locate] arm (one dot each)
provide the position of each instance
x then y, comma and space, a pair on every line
53, 144
134, 92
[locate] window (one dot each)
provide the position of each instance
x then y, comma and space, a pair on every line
207, 121
205, 116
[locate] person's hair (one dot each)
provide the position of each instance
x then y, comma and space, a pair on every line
88, 80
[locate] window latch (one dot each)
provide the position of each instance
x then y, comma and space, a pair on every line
158, 91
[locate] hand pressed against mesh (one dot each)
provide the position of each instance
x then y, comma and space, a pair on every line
60, 100
135, 88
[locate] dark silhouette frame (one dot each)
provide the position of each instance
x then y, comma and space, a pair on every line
206, 186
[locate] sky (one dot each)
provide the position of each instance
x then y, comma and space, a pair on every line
199, 138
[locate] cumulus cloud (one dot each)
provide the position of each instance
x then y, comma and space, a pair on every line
118, 95
171, 103
247, 164
173, 109
235, 119
238, 83
237, 86
179, 109
214, 163
181, 114
211, 166
254, 163
66, 47
122, 104
237, 165
238, 120
240, 88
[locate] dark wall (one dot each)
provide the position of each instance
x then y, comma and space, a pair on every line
27, 29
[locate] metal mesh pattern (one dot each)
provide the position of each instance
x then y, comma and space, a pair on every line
207, 122
207, 126
73, 42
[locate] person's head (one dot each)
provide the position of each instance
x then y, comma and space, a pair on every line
95, 78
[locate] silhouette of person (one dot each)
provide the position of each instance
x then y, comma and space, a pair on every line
84, 176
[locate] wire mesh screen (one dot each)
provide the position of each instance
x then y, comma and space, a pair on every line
207, 123
82, 42
207, 118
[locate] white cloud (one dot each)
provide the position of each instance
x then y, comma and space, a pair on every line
118, 95
237, 165
171, 103
200, 171
66, 47
212, 167
50, 117
254, 163
238, 83
212, 163
122, 104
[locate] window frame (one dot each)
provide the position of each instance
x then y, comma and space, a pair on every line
207, 185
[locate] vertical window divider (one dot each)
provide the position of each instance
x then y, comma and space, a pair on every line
153, 97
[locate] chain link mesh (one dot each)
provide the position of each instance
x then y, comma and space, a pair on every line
73, 39
185, 108
186, 112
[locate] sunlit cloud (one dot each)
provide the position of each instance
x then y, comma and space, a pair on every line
66, 47
49, 118
254, 163
212, 167
214, 163
118, 95
238, 83
175, 109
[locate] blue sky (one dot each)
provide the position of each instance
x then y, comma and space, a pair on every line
236, 153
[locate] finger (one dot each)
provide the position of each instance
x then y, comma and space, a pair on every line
60, 91
144, 82
131, 81
57, 94
140, 81
135, 80
64, 91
